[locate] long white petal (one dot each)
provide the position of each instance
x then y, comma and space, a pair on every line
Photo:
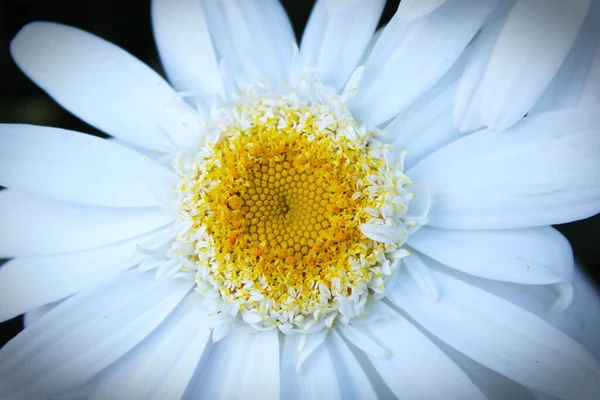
102, 84
354, 383
426, 125
467, 104
590, 93
336, 36
533, 44
591, 88
254, 38
532, 256
34, 315
32, 225
575, 321
422, 275
72, 166
494, 386
411, 10
415, 362
545, 170
411, 122
85, 334
185, 47
161, 366
318, 379
567, 87
26, 283
409, 58
503, 337
243, 365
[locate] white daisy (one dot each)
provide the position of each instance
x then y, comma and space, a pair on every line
364, 216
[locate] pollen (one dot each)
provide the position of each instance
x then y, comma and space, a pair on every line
273, 214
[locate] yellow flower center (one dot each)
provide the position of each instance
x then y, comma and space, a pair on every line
274, 210
282, 208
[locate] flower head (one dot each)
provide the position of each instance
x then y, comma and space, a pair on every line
364, 215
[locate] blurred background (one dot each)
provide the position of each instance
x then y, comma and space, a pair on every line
127, 24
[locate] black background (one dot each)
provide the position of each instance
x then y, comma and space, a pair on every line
127, 24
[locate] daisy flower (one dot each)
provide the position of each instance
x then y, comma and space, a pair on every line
363, 215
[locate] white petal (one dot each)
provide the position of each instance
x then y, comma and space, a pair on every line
101, 84
72, 166
354, 383
243, 365
467, 106
568, 84
36, 314
426, 125
370, 46
591, 88
162, 182
150, 154
411, 10
423, 276
85, 334
409, 58
318, 379
530, 49
185, 47
575, 321
495, 386
532, 256
545, 170
336, 37
363, 341
503, 337
26, 283
254, 37
161, 366
382, 233
415, 361
32, 225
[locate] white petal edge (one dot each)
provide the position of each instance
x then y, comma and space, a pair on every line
466, 113
543, 171
72, 166
495, 386
161, 366
408, 59
503, 337
34, 315
411, 10
102, 84
532, 46
574, 321
30, 282
337, 35
591, 88
426, 125
186, 48
85, 334
33, 225
318, 378
354, 383
243, 365
531, 256
415, 361
569, 83
254, 38
422, 276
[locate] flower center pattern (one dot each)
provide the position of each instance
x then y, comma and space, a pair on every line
275, 211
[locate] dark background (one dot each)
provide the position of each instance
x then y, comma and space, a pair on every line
127, 24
